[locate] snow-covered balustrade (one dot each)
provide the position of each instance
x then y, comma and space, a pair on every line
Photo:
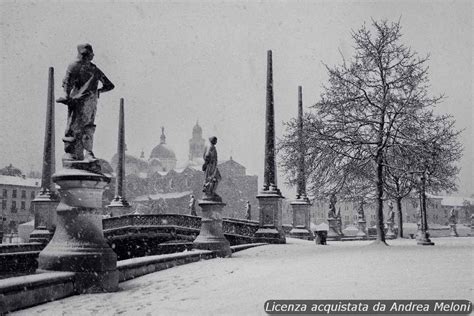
135, 234
21, 292
19, 258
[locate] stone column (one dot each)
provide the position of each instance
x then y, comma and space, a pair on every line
300, 207
423, 236
119, 205
45, 203
78, 244
361, 223
269, 198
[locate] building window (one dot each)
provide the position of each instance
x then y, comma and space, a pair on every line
4, 204
23, 205
32, 195
23, 194
5, 193
14, 193
13, 207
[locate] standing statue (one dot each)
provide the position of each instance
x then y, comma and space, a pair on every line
212, 174
332, 206
391, 214
339, 221
80, 95
360, 212
248, 214
452, 216
192, 206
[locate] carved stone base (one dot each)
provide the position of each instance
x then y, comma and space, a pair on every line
301, 221
333, 230
362, 231
86, 165
118, 207
390, 233
211, 236
270, 222
453, 232
424, 239
44, 208
78, 243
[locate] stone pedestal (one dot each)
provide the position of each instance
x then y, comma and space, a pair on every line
270, 219
423, 238
362, 232
301, 220
119, 207
78, 243
44, 208
452, 230
211, 236
390, 233
333, 230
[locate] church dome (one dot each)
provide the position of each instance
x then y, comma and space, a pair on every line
162, 151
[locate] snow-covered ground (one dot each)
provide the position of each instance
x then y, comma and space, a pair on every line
298, 270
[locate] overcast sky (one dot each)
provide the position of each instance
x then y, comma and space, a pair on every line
179, 62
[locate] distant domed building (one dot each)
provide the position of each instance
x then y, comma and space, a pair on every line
162, 158
157, 186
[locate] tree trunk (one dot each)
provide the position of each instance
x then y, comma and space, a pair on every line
379, 214
400, 217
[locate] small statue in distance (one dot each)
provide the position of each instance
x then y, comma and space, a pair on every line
452, 216
192, 206
332, 206
360, 212
80, 95
212, 174
248, 214
391, 214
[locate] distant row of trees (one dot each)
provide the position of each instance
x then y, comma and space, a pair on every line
373, 134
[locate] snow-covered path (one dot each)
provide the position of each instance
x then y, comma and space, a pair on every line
298, 270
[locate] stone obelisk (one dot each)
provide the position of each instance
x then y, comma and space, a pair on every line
119, 205
45, 203
269, 198
300, 206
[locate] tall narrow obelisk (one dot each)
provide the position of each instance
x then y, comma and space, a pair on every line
300, 206
45, 203
119, 205
269, 198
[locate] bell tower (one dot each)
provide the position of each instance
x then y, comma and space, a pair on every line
196, 144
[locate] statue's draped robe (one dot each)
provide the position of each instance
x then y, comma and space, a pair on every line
212, 174
81, 83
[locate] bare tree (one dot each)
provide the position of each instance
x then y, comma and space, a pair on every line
362, 108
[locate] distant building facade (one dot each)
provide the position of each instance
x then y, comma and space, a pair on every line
16, 194
157, 186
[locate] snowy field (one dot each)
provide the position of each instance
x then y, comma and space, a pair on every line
298, 270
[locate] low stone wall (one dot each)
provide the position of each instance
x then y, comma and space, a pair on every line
18, 258
21, 292
132, 268
10, 248
25, 291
